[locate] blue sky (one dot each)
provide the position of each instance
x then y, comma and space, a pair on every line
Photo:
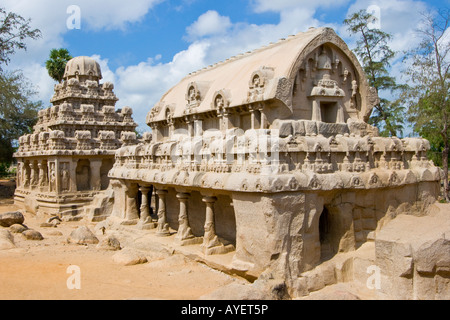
146, 46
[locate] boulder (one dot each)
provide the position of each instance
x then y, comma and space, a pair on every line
18, 228
259, 290
129, 257
82, 235
9, 218
109, 243
6, 240
32, 235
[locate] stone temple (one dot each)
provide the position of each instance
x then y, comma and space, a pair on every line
65, 162
265, 158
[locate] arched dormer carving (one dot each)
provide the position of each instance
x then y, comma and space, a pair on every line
196, 92
258, 83
221, 100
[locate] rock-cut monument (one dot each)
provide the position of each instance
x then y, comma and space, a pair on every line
266, 158
65, 162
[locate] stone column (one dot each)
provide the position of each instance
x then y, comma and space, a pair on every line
131, 208
145, 221
190, 127
95, 174
226, 120
184, 235
221, 124
73, 175
198, 126
163, 226
171, 125
211, 243
145, 205
316, 115
34, 175
41, 175
19, 174
252, 115
263, 119
340, 118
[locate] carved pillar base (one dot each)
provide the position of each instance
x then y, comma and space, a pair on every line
211, 244
184, 236
163, 226
145, 221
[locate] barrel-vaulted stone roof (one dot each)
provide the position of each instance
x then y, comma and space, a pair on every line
277, 66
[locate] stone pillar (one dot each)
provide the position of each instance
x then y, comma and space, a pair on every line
42, 178
96, 183
221, 124
226, 120
252, 115
19, 174
52, 176
316, 115
184, 235
145, 221
145, 205
190, 127
198, 126
211, 243
73, 175
131, 207
171, 127
26, 175
340, 118
263, 119
163, 226
34, 175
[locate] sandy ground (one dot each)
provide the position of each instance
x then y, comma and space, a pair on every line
39, 270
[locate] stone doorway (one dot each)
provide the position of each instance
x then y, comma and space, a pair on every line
83, 174
325, 229
329, 111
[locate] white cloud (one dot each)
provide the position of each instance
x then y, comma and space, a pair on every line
284, 5
209, 23
141, 86
50, 16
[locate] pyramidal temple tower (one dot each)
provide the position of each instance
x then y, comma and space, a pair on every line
64, 163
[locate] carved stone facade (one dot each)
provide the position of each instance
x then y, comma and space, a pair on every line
266, 158
268, 155
65, 162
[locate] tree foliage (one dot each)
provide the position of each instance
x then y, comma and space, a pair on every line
375, 55
14, 30
56, 64
18, 111
428, 91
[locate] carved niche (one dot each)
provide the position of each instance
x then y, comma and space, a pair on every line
193, 96
258, 83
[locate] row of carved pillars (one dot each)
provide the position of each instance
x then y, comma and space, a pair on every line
57, 175
210, 242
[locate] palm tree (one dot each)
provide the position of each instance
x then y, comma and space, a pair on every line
56, 65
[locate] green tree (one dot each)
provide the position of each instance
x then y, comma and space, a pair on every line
18, 113
375, 55
429, 85
14, 30
56, 64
